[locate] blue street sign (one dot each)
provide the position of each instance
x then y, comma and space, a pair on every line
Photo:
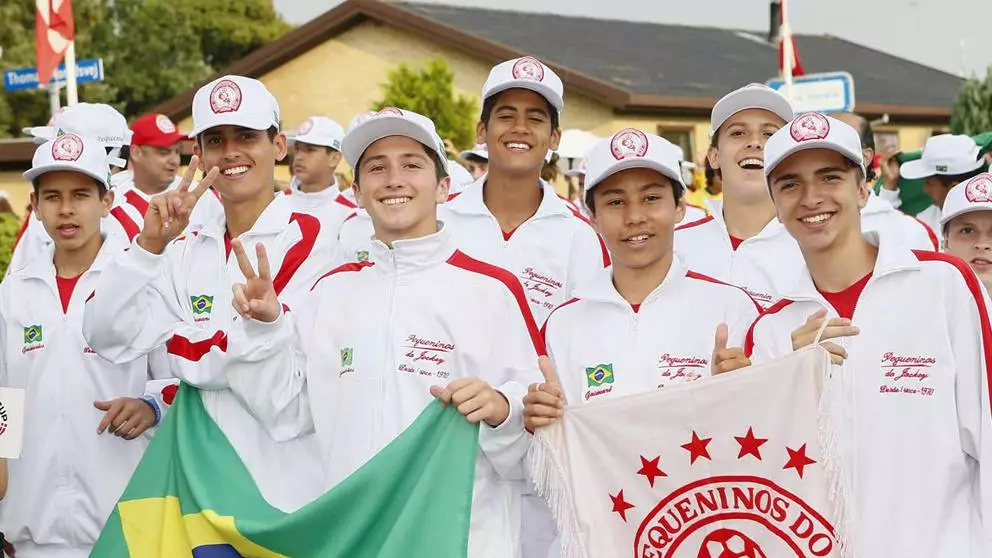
27, 78
827, 92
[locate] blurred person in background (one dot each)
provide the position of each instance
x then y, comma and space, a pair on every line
476, 160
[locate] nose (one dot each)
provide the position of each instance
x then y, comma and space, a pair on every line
811, 197
756, 141
67, 207
634, 214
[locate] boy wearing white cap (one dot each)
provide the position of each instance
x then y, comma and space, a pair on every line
741, 242
458, 330
510, 217
478, 159
648, 321
966, 222
910, 333
946, 160
316, 155
69, 476
175, 290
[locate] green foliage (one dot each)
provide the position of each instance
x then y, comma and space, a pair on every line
430, 92
972, 113
10, 224
151, 49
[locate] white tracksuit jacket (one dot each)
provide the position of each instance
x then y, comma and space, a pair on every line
879, 214
182, 299
423, 314
911, 402
930, 215
68, 478
550, 253
667, 341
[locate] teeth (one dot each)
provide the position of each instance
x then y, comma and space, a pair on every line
235, 170
395, 201
752, 163
638, 238
816, 218
518, 146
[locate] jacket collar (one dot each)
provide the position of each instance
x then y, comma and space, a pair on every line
876, 205
410, 255
893, 257
43, 267
471, 202
600, 287
273, 220
772, 229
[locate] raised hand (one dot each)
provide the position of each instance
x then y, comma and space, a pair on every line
476, 399
168, 213
805, 335
255, 298
544, 402
724, 359
127, 417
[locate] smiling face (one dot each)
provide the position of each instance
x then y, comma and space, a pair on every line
398, 185
635, 211
969, 237
70, 207
818, 195
739, 152
246, 159
155, 167
519, 133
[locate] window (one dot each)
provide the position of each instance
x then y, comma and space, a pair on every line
681, 138
885, 140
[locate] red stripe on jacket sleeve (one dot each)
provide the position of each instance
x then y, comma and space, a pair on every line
462, 261
544, 328
749, 338
701, 277
195, 350
971, 280
602, 244
345, 202
930, 233
354, 266
295, 256
137, 201
20, 232
702, 221
131, 229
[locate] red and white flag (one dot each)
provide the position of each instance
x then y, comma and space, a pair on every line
54, 31
727, 467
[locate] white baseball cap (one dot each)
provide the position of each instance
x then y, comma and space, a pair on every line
581, 169
93, 120
320, 130
525, 73
752, 96
370, 127
974, 194
71, 152
480, 150
234, 101
813, 130
632, 149
944, 154
459, 174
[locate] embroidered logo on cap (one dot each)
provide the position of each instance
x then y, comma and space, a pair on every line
165, 125
225, 97
388, 111
67, 147
306, 126
979, 190
629, 143
809, 126
529, 68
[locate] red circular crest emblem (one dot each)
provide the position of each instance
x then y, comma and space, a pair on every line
529, 68
68, 147
165, 125
306, 126
225, 97
809, 126
979, 189
629, 143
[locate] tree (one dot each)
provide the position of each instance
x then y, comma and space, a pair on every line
972, 113
430, 92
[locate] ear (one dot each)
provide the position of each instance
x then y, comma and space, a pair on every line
442, 190
480, 132
863, 193
136, 153
680, 209
555, 139
334, 160
868, 154
711, 155
34, 205
108, 202
196, 148
282, 146
357, 190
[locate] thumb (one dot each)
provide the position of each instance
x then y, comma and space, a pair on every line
102, 405
547, 369
720, 343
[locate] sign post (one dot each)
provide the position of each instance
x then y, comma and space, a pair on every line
826, 92
21, 79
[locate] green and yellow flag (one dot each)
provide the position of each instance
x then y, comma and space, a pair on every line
191, 496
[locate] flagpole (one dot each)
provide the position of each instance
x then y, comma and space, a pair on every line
787, 53
71, 93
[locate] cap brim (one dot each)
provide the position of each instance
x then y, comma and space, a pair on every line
536, 86
474, 153
914, 170
164, 141
33, 173
634, 163
310, 140
234, 119
751, 98
948, 217
813, 144
358, 140
573, 172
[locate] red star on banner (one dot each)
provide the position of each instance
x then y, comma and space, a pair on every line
750, 444
649, 468
697, 448
620, 505
798, 460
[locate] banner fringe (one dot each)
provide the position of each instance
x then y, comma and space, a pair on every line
833, 464
550, 482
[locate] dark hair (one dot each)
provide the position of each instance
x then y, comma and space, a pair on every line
125, 152
490, 103
708, 171
549, 172
677, 189
101, 189
867, 136
473, 158
949, 180
439, 172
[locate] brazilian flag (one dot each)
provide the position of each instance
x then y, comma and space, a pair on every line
191, 496
202, 304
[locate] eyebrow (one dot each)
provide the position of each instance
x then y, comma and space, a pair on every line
529, 110
414, 154
642, 188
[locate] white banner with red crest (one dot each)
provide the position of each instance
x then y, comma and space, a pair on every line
729, 467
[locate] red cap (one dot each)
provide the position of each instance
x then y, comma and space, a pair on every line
155, 130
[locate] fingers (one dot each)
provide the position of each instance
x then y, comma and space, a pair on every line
815, 317
240, 301
162, 205
728, 360
441, 394
722, 334
243, 262
548, 370
189, 175
263, 262
207, 181
837, 353
112, 408
839, 329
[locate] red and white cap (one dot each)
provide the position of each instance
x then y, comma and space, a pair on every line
813, 130
370, 127
945, 154
752, 96
632, 149
525, 73
234, 101
581, 169
155, 130
93, 120
320, 130
480, 150
74, 153
974, 194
